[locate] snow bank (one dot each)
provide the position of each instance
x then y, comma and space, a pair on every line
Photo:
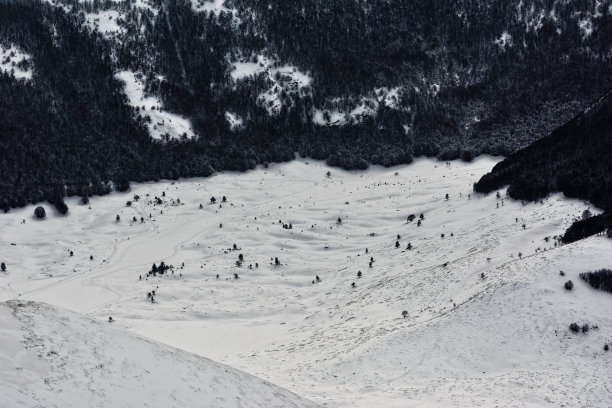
586, 27
388, 97
163, 124
55, 358
243, 70
504, 40
234, 120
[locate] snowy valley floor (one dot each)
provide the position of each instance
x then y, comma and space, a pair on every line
502, 340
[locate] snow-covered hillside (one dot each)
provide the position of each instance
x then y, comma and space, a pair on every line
55, 358
487, 314
162, 125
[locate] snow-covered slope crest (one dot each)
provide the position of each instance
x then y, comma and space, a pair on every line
54, 358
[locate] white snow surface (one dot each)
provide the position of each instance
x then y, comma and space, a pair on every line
388, 97
234, 120
501, 340
56, 358
163, 124
245, 69
10, 57
504, 40
586, 27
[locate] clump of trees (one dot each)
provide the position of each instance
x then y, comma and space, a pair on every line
600, 279
161, 269
584, 328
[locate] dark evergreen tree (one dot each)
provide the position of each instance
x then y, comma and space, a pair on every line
39, 212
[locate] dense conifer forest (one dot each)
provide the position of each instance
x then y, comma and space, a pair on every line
471, 77
574, 159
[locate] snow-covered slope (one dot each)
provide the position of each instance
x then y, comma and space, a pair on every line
498, 339
162, 125
55, 358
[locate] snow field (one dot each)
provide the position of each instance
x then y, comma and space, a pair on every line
468, 340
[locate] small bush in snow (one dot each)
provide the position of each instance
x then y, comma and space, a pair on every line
574, 327
569, 285
40, 212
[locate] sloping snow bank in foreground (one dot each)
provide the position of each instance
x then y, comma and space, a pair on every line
162, 124
55, 358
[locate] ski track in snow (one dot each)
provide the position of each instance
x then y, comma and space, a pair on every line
467, 341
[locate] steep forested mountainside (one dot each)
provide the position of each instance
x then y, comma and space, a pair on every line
94, 92
574, 159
